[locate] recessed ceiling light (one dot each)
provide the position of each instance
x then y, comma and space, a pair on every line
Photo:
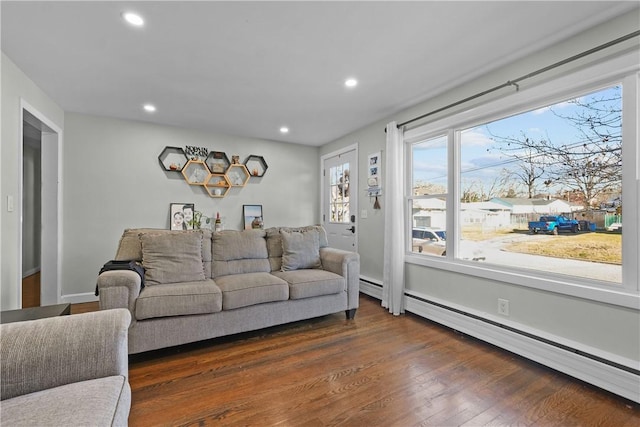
133, 19
149, 108
284, 129
351, 83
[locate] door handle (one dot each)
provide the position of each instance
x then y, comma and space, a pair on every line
352, 228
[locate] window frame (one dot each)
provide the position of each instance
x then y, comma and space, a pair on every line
623, 70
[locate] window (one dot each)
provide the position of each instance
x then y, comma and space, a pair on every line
537, 188
429, 196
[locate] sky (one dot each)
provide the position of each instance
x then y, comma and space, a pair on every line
481, 159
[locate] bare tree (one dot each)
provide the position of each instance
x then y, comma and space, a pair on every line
590, 165
530, 164
478, 191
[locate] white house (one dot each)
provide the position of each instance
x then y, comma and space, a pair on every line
487, 213
534, 206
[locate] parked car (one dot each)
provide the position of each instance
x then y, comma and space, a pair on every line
429, 240
615, 226
553, 224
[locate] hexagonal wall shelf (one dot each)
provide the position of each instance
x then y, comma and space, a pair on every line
256, 165
173, 159
196, 172
217, 185
238, 175
217, 162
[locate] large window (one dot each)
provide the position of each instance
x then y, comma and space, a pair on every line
534, 188
541, 189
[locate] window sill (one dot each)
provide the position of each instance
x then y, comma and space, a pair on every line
572, 286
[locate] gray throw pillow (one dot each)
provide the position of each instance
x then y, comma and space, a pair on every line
300, 250
172, 258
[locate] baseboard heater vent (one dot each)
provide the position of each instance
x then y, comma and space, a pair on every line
528, 335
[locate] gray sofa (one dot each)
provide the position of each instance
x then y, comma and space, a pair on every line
200, 285
69, 370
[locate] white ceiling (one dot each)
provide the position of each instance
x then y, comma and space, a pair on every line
248, 68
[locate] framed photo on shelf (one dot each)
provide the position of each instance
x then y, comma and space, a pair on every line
252, 217
181, 216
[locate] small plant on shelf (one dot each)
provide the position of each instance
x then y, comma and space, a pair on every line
198, 219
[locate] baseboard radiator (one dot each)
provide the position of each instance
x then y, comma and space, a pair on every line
618, 379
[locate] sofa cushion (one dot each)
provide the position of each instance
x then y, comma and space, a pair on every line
179, 299
99, 402
172, 258
237, 252
242, 290
311, 283
274, 242
130, 246
300, 250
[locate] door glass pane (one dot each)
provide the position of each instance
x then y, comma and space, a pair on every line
339, 193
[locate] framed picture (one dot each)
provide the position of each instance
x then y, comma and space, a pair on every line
181, 216
374, 182
252, 216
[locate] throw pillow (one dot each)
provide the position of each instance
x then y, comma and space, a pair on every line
172, 258
300, 250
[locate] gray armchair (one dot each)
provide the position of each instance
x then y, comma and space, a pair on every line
69, 370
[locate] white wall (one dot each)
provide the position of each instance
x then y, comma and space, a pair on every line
607, 330
15, 86
113, 181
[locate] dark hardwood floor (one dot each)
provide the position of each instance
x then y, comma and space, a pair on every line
376, 370
31, 291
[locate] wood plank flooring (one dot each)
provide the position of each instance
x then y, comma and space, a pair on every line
376, 370
31, 291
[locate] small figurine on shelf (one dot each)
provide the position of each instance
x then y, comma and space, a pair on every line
218, 223
254, 172
235, 160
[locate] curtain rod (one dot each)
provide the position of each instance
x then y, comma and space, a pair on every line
527, 76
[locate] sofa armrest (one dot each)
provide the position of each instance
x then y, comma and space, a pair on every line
346, 264
119, 289
42, 354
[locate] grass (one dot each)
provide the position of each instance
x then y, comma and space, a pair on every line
595, 247
478, 234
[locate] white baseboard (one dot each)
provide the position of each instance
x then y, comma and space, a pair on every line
30, 272
371, 287
591, 370
79, 298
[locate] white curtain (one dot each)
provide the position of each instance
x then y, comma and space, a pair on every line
394, 248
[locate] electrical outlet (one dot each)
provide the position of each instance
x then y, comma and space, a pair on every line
503, 306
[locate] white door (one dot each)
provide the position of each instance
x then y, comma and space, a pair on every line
339, 199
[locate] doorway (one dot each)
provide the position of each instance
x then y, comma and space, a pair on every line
39, 210
340, 198
31, 212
